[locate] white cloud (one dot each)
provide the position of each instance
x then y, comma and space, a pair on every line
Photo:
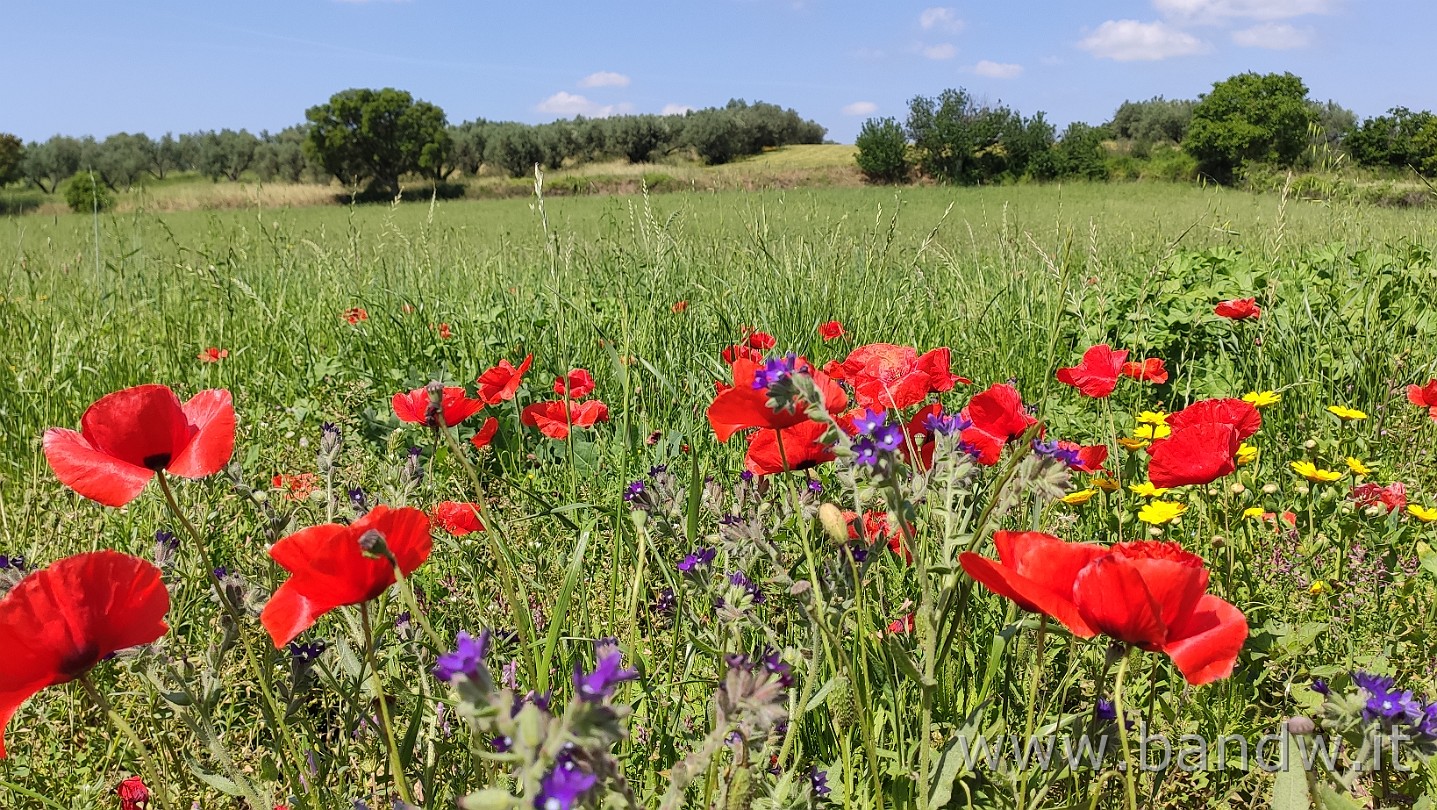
1273, 36
567, 104
998, 70
604, 78
860, 108
939, 18
1133, 41
1214, 11
676, 109
944, 51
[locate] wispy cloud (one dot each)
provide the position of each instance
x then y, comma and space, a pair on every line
1134, 41
1215, 11
998, 70
604, 78
1273, 36
946, 50
563, 103
940, 18
860, 108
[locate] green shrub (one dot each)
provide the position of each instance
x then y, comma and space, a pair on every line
87, 192
883, 151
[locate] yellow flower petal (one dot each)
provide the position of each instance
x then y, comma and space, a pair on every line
1357, 467
1425, 514
1159, 512
1313, 473
1261, 399
1253, 512
1345, 413
1105, 484
1152, 432
1318, 587
1147, 490
1082, 496
1156, 418
1246, 454
1132, 444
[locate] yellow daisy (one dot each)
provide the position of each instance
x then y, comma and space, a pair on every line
1345, 413
1422, 513
1157, 418
1261, 399
1357, 467
1132, 444
1318, 587
1105, 484
1246, 453
1253, 512
1147, 490
1313, 473
1159, 512
1152, 432
1082, 496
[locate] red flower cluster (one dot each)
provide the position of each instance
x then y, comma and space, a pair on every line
458, 518
884, 375
1150, 594
577, 384
1096, 375
355, 315
455, 406
1204, 442
998, 417
751, 347
1424, 396
1393, 496
556, 418
877, 527
1238, 309
213, 355
296, 487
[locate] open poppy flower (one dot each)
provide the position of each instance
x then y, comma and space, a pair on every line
1149, 369
458, 518
1153, 595
1097, 374
1238, 309
486, 433
918, 445
554, 421
803, 448
885, 375
831, 330
1198, 453
64, 619
1036, 571
1242, 416
128, 436
329, 568
455, 405
877, 527
997, 416
213, 355
579, 383
758, 340
740, 351
500, 383
1424, 396
1090, 457
743, 406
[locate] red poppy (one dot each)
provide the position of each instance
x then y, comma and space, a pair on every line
486, 433
1153, 595
1090, 457
878, 527
297, 486
1149, 369
64, 619
744, 406
917, 436
901, 627
1097, 374
443, 329
1036, 571
579, 382
133, 794
500, 383
885, 375
679, 306
1393, 496
740, 351
213, 355
1424, 396
1198, 453
1242, 416
758, 340
803, 448
1238, 309
998, 417
128, 436
552, 421
455, 405
330, 568
832, 330
356, 314
458, 518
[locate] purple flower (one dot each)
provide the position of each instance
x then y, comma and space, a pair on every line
1385, 701
564, 786
888, 438
358, 499
698, 558
946, 424
599, 685
869, 421
775, 370
305, 653
666, 601
739, 580
466, 659
633, 490
1426, 724
1105, 710
657, 470
1068, 456
1320, 687
745, 476
819, 781
865, 452
815, 486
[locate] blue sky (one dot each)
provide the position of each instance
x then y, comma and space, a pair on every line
98, 67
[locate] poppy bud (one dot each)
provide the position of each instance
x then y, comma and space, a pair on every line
372, 543
1238, 488
1212, 492
435, 390
1301, 726
1268, 489
1218, 541
1310, 444
1302, 490
1154, 531
832, 519
1116, 651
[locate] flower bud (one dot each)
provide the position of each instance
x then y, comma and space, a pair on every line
1302, 489
1218, 541
1238, 488
831, 517
1301, 726
1310, 444
1268, 489
372, 543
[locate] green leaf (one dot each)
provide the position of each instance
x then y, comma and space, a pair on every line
1289, 789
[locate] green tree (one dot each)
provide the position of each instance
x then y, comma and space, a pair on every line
715, 135
1080, 153
165, 156
12, 154
1153, 121
47, 163
226, 154
1249, 118
883, 151
122, 158
637, 137
280, 156
87, 192
469, 140
377, 136
514, 148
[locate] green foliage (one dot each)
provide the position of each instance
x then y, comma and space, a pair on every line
883, 151
1249, 118
715, 137
12, 155
514, 148
637, 137
1400, 139
1155, 120
47, 163
281, 156
377, 136
469, 140
121, 159
959, 140
86, 192
225, 154
1080, 153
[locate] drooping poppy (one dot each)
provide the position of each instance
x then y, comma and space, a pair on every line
802, 447
213, 355
830, 330
128, 436
997, 417
1036, 571
133, 793
500, 383
486, 433
458, 518
1096, 375
1153, 595
64, 619
553, 420
455, 405
1238, 309
1090, 457
1424, 396
885, 375
330, 568
355, 315
1149, 369
1198, 453
579, 383
1242, 416
679, 306
743, 406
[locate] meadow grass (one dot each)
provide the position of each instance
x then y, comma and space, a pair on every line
1017, 281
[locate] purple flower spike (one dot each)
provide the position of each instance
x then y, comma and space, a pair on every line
888, 438
865, 452
564, 787
599, 685
869, 421
466, 659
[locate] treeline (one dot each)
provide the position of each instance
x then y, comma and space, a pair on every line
372, 138
1248, 123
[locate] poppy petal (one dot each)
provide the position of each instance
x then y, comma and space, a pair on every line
486, 433
1113, 599
144, 425
1174, 577
1197, 454
411, 406
212, 414
289, 613
1206, 643
93, 474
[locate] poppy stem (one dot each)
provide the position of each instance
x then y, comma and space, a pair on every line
147, 762
1034, 676
184, 520
1129, 774
396, 766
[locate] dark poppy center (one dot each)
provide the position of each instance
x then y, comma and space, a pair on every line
80, 661
156, 462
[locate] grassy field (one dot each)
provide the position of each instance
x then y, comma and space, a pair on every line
1016, 281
